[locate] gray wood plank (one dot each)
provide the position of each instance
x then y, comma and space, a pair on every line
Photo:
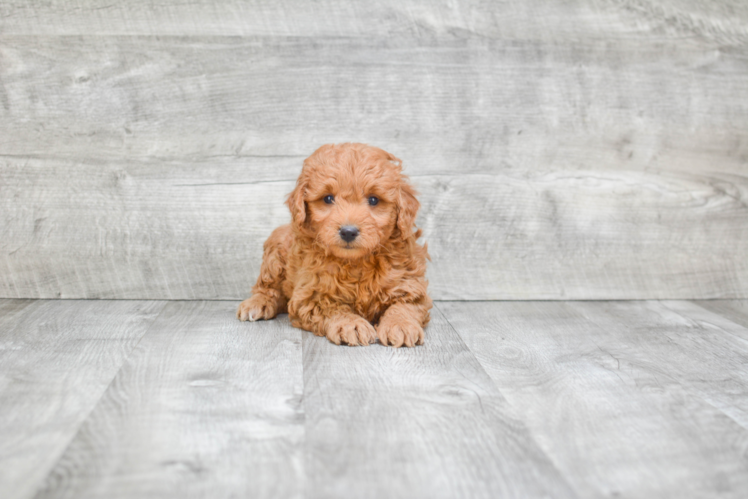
723, 20
132, 230
734, 310
420, 422
56, 360
11, 313
445, 105
618, 394
206, 406
725, 383
586, 235
187, 231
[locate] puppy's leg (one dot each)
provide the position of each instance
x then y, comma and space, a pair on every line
326, 318
350, 328
402, 324
267, 298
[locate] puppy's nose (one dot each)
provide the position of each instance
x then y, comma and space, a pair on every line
348, 233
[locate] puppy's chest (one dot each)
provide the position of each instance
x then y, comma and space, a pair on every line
359, 286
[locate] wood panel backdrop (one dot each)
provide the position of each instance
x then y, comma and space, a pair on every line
579, 149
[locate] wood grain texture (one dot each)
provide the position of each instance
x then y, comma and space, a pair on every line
620, 395
130, 230
587, 235
206, 406
724, 20
581, 149
603, 399
56, 360
734, 310
442, 104
421, 422
720, 378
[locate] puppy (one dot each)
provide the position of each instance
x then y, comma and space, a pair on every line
348, 266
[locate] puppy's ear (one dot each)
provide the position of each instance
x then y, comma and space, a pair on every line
407, 208
296, 203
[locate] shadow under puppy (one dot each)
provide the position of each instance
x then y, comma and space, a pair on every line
348, 266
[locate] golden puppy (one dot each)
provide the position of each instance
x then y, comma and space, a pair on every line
348, 266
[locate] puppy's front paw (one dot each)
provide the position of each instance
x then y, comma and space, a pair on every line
351, 329
398, 334
258, 306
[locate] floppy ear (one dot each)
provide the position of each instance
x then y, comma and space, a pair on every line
296, 203
407, 208
407, 204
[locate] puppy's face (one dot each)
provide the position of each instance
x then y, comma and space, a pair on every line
352, 198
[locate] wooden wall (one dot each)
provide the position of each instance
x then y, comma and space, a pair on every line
576, 149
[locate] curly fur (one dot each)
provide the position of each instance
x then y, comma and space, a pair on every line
353, 293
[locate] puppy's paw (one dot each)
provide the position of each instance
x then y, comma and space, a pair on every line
350, 329
258, 306
397, 334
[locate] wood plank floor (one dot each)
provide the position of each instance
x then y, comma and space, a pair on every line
505, 399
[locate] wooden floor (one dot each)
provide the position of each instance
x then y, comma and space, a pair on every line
505, 399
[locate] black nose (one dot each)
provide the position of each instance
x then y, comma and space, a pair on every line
348, 233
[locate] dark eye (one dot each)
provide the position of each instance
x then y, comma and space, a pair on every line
329, 199
373, 200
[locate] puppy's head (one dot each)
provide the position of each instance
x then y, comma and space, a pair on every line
352, 198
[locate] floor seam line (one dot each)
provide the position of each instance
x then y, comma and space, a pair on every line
530, 434
73, 435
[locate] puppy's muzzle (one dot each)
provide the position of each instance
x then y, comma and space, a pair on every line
348, 233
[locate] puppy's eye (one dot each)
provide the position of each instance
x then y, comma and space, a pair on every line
373, 200
329, 199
